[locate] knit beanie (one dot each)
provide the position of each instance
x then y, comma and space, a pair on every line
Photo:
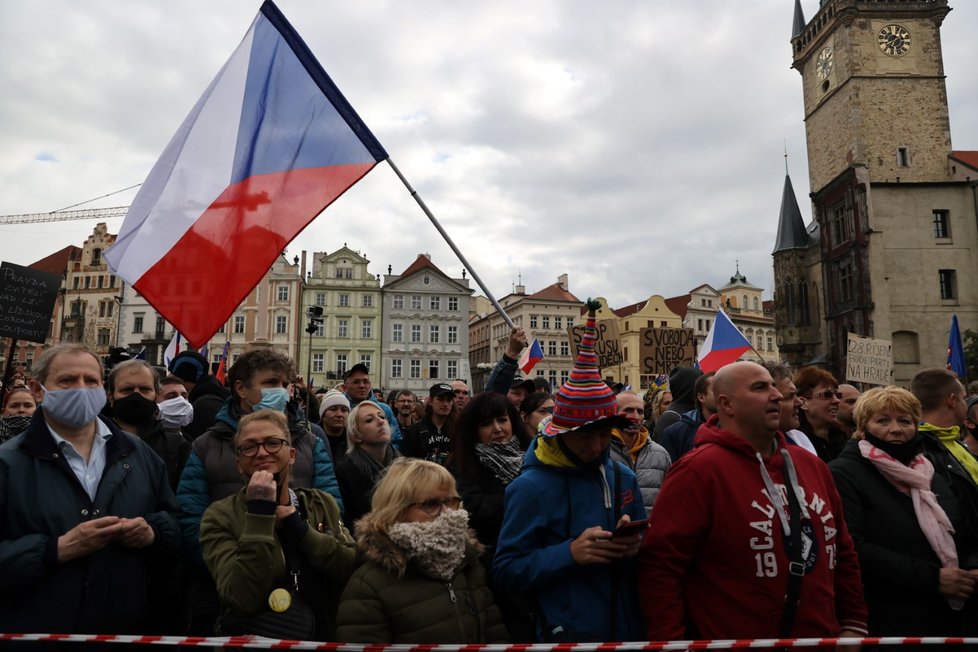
585, 398
190, 366
331, 398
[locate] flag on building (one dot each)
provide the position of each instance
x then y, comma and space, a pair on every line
955, 351
222, 366
172, 349
270, 144
724, 344
530, 357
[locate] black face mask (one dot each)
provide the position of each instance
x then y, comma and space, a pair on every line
902, 453
135, 409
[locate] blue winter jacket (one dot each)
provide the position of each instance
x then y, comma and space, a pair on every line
678, 438
546, 508
211, 472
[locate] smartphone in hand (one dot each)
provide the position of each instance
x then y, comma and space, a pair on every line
630, 528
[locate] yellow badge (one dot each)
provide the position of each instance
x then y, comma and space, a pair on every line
279, 600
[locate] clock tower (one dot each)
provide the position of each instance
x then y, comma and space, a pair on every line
894, 223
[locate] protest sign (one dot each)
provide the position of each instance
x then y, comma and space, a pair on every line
868, 360
607, 342
663, 349
27, 299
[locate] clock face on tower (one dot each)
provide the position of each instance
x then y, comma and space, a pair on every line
823, 64
894, 40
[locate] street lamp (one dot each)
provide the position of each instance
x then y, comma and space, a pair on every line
315, 314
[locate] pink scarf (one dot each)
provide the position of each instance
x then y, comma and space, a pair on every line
914, 479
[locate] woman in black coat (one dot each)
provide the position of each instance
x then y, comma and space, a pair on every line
905, 521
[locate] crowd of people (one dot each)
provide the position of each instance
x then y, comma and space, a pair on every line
753, 502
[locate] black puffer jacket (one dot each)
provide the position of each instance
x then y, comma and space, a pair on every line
899, 568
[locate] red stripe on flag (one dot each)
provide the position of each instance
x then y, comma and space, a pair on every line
717, 359
213, 267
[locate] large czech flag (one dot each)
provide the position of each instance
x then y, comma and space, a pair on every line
271, 143
724, 344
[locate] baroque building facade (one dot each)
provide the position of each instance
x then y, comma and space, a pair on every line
893, 241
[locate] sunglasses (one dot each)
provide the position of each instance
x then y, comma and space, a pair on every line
433, 506
828, 395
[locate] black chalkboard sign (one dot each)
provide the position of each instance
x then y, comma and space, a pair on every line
27, 299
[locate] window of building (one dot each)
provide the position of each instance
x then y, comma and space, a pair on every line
533, 321
344, 300
341, 363
321, 328
552, 347
399, 302
415, 333
564, 347
281, 325
948, 284
365, 360
841, 224
570, 322
434, 333
903, 157
846, 282
320, 298
103, 337
318, 362
545, 322
160, 325
453, 304
101, 281
453, 334
699, 325
942, 224
397, 332
368, 301
101, 308
111, 281
434, 303
96, 256
239, 323
366, 328
283, 293
558, 322
415, 369
396, 368
433, 372
137, 323
553, 378
415, 302
74, 283
451, 369
88, 282
770, 343
342, 328
756, 305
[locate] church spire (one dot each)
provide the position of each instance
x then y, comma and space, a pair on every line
798, 26
791, 228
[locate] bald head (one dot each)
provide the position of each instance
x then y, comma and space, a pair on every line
748, 403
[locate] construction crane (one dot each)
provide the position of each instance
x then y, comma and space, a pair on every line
61, 216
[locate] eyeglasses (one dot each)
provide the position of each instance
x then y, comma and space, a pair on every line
828, 395
433, 506
271, 446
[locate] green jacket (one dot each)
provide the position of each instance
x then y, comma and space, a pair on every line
243, 552
390, 600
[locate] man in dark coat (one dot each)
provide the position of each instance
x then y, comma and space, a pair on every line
86, 510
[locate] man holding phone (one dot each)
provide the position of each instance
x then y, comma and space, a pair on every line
564, 536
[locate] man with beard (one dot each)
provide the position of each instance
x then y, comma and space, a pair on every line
844, 418
404, 402
132, 389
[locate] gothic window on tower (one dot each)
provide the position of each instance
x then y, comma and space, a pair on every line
942, 224
846, 282
903, 157
805, 317
841, 224
948, 284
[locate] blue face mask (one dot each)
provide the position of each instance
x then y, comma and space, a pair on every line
272, 398
74, 407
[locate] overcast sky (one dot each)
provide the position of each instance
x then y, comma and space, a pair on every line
636, 145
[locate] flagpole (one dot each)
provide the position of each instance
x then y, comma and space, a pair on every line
444, 234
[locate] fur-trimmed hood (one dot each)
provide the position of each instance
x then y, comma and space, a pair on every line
376, 546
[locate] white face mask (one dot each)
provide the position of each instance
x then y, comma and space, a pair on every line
176, 413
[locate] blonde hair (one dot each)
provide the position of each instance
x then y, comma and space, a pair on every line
895, 399
273, 417
352, 432
404, 482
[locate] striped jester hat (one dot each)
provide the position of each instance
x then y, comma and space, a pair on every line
585, 399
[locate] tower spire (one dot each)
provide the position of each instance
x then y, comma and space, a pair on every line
791, 228
798, 25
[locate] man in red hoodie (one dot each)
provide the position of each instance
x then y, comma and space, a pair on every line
715, 560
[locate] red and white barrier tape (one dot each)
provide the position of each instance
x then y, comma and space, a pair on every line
257, 642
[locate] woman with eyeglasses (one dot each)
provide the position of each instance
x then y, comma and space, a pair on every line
535, 408
421, 580
913, 542
368, 453
280, 557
